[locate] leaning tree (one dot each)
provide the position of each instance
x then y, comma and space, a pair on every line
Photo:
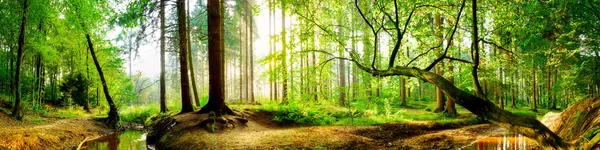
524, 125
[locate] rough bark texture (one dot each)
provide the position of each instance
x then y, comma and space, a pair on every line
524, 125
186, 102
16, 113
163, 102
216, 96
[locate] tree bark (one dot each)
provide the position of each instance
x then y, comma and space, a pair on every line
216, 101
163, 103
475, 54
186, 103
16, 112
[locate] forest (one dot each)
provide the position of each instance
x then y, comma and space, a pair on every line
299, 74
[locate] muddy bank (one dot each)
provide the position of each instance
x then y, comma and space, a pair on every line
61, 134
261, 133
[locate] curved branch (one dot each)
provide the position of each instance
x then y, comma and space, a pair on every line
449, 42
400, 36
496, 45
426, 52
524, 125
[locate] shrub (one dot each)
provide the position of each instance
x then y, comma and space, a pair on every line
138, 114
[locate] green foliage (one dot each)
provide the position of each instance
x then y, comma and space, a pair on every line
74, 88
139, 114
301, 115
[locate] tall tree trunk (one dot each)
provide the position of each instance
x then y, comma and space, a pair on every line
501, 89
342, 71
534, 85
475, 54
190, 58
284, 97
16, 112
163, 102
186, 103
251, 59
271, 61
438, 69
216, 101
193, 77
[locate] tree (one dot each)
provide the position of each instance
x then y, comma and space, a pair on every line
216, 95
284, 96
16, 113
163, 102
113, 115
190, 58
475, 53
186, 102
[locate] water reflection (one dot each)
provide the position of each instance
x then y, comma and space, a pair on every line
509, 141
128, 140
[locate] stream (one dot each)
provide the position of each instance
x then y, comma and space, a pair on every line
500, 142
129, 139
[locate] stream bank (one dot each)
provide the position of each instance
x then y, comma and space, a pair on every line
60, 134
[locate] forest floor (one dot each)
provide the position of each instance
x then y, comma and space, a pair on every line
49, 130
262, 133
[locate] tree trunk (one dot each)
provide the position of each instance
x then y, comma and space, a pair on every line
163, 102
216, 101
438, 69
16, 112
191, 59
450, 104
251, 59
284, 97
403, 91
535, 96
342, 70
186, 103
475, 54
113, 115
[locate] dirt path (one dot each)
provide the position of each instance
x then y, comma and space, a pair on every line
60, 134
261, 133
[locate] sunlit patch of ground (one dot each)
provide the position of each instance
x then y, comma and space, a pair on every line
60, 134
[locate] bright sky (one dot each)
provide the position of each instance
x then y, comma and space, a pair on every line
148, 60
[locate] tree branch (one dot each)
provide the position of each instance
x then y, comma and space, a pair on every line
449, 42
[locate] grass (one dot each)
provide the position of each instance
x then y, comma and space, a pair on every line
139, 114
358, 113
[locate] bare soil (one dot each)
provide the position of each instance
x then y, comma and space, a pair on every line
53, 134
262, 133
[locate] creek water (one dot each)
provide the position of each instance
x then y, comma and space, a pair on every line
126, 140
502, 142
